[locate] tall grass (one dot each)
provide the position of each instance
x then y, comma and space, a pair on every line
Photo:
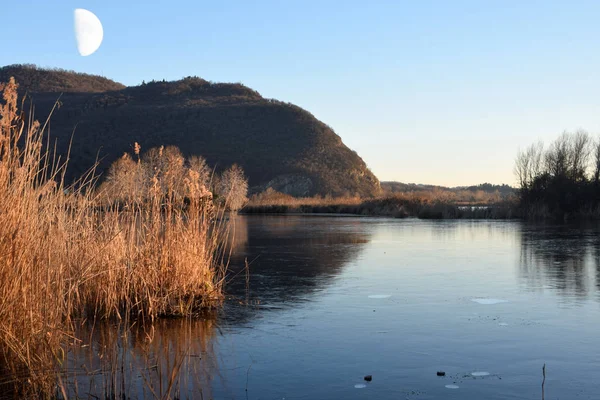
63, 259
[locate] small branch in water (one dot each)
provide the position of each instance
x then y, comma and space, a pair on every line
544, 380
247, 281
247, 374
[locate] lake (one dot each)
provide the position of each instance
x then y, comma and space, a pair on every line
333, 299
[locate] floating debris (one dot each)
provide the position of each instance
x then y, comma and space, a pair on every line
379, 296
489, 301
480, 373
441, 373
360, 386
451, 386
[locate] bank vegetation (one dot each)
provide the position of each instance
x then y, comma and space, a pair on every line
150, 242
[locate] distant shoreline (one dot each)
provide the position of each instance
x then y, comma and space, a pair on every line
393, 207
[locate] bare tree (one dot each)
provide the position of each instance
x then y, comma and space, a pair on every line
521, 168
528, 164
580, 153
173, 171
557, 158
166, 164
233, 187
536, 153
596, 151
196, 181
152, 162
123, 180
198, 165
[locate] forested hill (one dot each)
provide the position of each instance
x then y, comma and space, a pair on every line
278, 144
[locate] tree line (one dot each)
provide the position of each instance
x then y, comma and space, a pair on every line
561, 180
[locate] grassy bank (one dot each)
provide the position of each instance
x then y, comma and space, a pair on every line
425, 205
63, 259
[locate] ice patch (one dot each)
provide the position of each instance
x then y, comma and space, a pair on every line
379, 296
480, 373
360, 386
489, 301
451, 386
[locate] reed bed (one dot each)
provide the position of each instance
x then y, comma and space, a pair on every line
434, 204
67, 257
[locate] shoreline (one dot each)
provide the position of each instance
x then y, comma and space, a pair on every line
390, 209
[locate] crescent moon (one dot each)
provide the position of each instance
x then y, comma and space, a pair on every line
88, 31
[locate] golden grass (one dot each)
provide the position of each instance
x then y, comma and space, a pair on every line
271, 197
62, 257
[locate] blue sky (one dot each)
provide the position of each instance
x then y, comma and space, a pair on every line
440, 92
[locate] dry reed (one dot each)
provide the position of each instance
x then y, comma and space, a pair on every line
271, 197
64, 259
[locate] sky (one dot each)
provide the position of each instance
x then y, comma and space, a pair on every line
436, 92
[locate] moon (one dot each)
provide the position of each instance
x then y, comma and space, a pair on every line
88, 31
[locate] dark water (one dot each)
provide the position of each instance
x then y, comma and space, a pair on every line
316, 331
307, 328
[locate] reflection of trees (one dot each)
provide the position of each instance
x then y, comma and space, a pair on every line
562, 258
596, 258
469, 230
291, 257
238, 233
165, 359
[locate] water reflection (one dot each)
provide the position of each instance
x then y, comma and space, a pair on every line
564, 259
321, 272
290, 258
167, 359
465, 231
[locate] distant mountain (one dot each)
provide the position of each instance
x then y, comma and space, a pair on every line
278, 144
398, 187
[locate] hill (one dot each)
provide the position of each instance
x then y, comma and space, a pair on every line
56, 80
278, 144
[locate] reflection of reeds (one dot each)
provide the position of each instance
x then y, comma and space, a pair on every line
171, 358
62, 256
